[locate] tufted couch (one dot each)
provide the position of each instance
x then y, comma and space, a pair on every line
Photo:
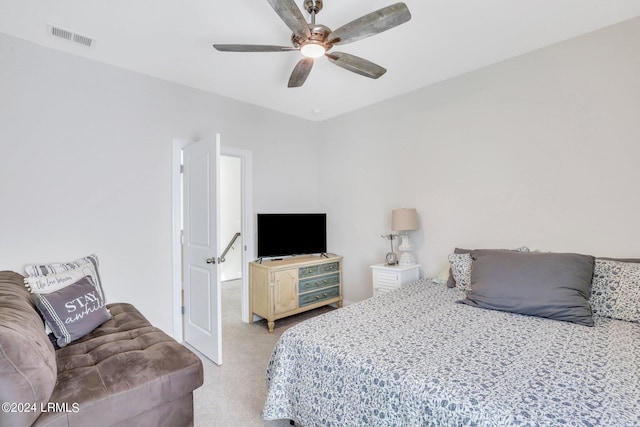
124, 373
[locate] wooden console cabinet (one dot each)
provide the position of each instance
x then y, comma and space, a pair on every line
281, 288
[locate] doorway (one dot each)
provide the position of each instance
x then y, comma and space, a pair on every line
244, 245
231, 218
234, 221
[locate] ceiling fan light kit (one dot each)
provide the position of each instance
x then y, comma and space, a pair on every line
312, 49
315, 40
316, 44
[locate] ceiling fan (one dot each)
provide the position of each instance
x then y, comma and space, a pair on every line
314, 40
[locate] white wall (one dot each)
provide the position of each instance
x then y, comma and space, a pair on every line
541, 150
86, 151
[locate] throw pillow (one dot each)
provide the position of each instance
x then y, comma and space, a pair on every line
461, 270
443, 276
615, 290
49, 277
56, 281
636, 260
451, 283
44, 269
552, 285
73, 311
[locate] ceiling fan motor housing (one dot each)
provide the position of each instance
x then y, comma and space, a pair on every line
319, 35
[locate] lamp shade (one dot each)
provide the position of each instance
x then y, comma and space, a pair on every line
404, 219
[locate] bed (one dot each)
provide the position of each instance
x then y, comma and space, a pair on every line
416, 357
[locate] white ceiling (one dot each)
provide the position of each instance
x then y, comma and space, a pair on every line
172, 40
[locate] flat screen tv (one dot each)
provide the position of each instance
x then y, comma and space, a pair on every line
286, 234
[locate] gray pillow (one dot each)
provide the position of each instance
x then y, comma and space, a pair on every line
73, 311
452, 282
552, 285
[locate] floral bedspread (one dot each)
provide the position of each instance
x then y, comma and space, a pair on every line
413, 357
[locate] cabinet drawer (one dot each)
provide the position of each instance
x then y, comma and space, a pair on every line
318, 282
329, 267
317, 296
312, 270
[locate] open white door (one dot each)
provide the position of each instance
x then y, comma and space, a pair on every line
201, 275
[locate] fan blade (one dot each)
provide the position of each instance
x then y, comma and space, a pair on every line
373, 23
252, 48
356, 64
300, 72
292, 16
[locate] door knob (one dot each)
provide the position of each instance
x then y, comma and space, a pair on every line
211, 260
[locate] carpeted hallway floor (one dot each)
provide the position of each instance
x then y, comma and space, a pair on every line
233, 394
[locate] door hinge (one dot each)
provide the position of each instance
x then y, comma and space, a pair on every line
182, 310
181, 168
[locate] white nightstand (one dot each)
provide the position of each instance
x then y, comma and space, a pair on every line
389, 277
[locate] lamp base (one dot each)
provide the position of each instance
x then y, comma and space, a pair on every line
406, 244
407, 258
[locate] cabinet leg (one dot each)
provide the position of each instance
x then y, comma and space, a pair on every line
271, 324
340, 304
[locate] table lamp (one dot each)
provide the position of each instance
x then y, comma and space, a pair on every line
405, 220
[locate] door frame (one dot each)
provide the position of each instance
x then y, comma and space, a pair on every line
247, 233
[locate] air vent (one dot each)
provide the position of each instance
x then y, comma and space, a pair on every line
70, 36
82, 40
63, 34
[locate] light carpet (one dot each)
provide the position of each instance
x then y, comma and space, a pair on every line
233, 394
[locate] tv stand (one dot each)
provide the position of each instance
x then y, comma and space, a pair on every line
281, 288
